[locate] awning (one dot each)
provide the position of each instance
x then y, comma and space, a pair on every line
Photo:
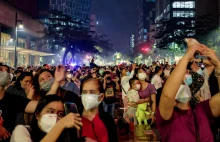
25, 51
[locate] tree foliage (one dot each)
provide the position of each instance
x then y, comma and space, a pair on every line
72, 34
102, 44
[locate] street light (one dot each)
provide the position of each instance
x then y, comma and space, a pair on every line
20, 26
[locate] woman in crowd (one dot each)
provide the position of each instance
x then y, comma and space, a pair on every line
147, 91
97, 124
157, 80
21, 87
49, 123
177, 120
45, 83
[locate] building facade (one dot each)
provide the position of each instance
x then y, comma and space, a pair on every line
26, 6
181, 16
77, 9
132, 43
30, 49
147, 15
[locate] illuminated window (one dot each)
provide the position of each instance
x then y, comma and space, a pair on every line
188, 4
184, 14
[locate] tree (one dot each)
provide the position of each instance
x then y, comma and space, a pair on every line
72, 34
102, 44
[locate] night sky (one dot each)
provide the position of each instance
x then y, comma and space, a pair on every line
117, 19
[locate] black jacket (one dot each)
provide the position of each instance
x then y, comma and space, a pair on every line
109, 124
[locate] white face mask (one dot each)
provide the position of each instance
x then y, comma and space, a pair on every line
138, 86
142, 76
184, 94
47, 122
69, 76
90, 101
4, 78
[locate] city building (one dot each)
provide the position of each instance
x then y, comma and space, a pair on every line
132, 43
27, 6
93, 23
30, 48
146, 17
77, 9
180, 17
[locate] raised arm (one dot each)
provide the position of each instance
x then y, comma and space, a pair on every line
59, 76
209, 66
215, 100
173, 83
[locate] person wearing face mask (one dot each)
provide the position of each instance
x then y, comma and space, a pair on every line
147, 91
47, 82
134, 99
97, 124
177, 118
21, 87
157, 80
69, 85
49, 123
111, 86
126, 76
193, 66
10, 105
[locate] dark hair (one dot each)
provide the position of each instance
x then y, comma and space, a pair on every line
138, 69
106, 72
157, 69
21, 77
98, 81
35, 82
131, 81
3, 65
18, 71
36, 134
189, 66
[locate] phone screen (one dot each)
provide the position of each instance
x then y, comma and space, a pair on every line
70, 108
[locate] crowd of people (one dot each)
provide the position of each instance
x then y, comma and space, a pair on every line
181, 100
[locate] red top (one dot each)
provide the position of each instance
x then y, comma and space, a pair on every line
94, 129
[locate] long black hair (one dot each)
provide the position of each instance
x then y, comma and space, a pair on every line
36, 82
36, 134
21, 77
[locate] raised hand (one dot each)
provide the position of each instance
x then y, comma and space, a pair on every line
4, 134
210, 54
60, 73
71, 120
193, 47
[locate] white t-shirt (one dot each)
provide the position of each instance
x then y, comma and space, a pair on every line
21, 134
167, 73
133, 96
205, 90
157, 81
125, 83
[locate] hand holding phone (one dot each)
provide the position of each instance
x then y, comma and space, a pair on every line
70, 108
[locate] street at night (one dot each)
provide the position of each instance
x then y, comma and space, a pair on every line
109, 71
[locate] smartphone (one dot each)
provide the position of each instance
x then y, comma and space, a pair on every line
70, 108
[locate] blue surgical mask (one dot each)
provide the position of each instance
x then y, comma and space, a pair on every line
188, 80
200, 72
128, 73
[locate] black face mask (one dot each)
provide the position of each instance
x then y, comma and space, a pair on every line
109, 78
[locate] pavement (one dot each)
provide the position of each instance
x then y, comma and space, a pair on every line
141, 134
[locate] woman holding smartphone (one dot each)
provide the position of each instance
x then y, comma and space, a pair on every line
49, 124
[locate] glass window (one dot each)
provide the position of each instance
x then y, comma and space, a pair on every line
52, 1
188, 4
58, 2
